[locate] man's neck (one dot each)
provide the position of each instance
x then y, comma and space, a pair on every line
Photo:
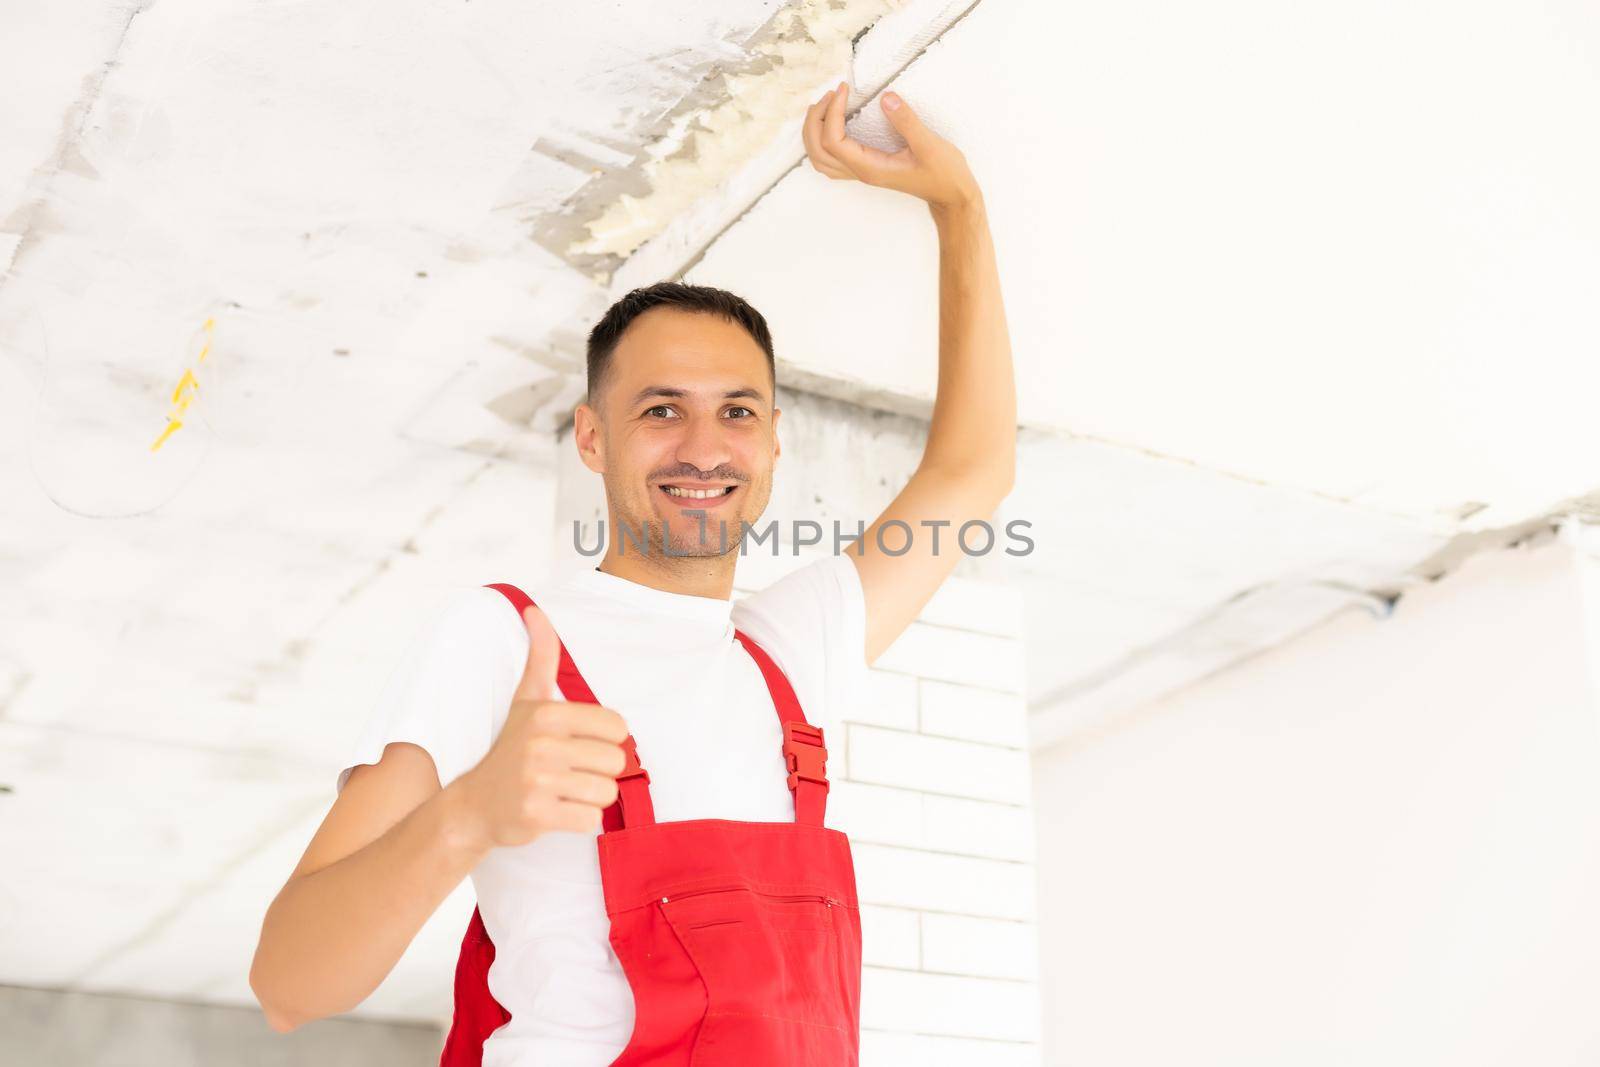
708, 576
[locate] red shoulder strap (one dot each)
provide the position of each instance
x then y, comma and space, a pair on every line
803, 750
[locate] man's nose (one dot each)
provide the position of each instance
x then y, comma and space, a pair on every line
704, 445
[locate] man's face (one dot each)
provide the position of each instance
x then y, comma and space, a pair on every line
685, 408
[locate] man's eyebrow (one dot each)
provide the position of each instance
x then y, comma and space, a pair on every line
674, 393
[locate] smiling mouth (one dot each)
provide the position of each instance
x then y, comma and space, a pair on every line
683, 493
693, 496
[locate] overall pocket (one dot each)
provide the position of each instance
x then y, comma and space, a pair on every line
771, 964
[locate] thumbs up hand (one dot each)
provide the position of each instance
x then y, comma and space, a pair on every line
555, 763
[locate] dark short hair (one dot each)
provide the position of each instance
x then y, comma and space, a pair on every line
696, 298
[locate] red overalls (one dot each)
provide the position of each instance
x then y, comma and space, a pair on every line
741, 940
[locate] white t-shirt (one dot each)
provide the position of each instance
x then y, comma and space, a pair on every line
702, 717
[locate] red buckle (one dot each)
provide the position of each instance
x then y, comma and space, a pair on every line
805, 753
631, 768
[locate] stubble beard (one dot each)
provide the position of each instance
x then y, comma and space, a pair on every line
687, 538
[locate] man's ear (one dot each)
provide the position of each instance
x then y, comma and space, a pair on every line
587, 436
777, 446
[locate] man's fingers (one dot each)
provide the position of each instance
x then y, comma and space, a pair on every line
595, 756
581, 787
544, 658
811, 134
862, 162
566, 719
870, 164
576, 818
832, 132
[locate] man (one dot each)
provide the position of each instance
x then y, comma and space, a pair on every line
490, 754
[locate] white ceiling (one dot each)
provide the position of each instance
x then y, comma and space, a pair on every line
1301, 302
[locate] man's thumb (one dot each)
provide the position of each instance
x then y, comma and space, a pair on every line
904, 120
544, 658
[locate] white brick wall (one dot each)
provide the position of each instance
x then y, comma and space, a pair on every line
932, 783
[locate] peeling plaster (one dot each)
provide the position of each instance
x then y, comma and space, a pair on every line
809, 42
1453, 553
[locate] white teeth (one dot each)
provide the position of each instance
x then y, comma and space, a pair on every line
697, 494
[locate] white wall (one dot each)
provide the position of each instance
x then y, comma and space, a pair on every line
1377, 844
935, 796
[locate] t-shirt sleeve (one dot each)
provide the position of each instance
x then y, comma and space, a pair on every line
813, 622
451, 688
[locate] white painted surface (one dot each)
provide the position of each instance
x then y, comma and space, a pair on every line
1376, 844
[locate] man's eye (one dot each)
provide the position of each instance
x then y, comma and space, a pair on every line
660, 410
746, 411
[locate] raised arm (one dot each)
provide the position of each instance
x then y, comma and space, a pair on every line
969, 462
